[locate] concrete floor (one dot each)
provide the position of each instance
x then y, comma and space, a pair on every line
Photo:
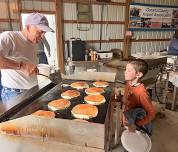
165, 133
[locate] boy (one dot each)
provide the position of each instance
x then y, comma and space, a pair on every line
138, 110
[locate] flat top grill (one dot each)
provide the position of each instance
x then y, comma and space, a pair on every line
55, 93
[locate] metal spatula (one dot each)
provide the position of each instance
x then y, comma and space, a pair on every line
54, 76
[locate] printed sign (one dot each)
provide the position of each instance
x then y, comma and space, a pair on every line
156, 17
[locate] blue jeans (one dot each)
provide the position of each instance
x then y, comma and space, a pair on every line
43, 58
8, 93
133, 115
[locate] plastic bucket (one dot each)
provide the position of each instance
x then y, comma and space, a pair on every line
136, 142
44, 69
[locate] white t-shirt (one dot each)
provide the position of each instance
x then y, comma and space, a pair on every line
15, 46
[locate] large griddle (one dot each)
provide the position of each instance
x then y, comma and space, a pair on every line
102, 109
55, 93
73, 136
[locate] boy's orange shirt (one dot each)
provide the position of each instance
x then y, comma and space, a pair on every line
137, 97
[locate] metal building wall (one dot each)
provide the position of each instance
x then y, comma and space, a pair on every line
31, 5
110, 31
116, 31
6, 15
38, 5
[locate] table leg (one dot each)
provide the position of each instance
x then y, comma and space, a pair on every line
174, 98
166, 88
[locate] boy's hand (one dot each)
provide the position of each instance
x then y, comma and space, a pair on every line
132, 128
117, 93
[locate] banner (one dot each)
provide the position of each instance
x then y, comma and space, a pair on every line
153, 17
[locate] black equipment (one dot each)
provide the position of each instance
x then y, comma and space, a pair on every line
76, 49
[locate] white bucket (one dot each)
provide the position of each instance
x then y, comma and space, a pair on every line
45, 70
136, 142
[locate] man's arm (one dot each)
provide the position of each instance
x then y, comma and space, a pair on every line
6, 63
6, 45
27, 68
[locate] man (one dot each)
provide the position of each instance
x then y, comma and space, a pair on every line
18, 56
41, 51
173, 46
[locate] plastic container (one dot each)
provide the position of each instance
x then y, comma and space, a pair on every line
69, 67
44, 69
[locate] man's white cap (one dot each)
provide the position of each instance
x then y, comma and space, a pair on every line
38, 20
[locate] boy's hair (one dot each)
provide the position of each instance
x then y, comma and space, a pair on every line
139, 65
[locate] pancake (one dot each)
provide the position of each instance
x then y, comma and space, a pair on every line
44, 113
79, 85
59, 104
69, 94
94, 90
10, 128
102, 84
96, 99
84, 111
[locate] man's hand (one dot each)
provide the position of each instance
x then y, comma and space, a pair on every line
29, 68
132, 128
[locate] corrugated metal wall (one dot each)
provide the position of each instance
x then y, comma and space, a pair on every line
116, 31
5, 14
110, 31
38, 5
13, 7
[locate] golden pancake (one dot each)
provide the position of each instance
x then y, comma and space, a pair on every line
69, 94
96, 99
79, 85
102, 84
84, 111
94, 90
59, 104
10, 128
44, 113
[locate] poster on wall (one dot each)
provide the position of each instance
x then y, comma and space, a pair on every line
143, 17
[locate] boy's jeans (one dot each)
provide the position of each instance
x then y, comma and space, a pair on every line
138, 113
8, 93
